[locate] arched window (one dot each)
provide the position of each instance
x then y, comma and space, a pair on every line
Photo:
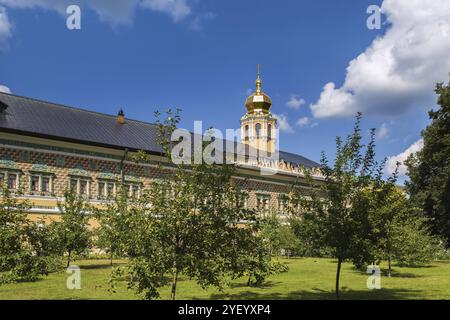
269, 131
246, 132
258, 129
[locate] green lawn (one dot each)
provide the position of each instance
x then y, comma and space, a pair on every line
307, 278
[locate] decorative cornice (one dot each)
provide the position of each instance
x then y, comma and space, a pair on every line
79, 173
9, 165
41, 168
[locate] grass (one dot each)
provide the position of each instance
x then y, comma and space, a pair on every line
308, 278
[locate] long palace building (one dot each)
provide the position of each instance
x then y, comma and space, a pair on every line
47, 148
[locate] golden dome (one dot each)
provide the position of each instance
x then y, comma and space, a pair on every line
258, 100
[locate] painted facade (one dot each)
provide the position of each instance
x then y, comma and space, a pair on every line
40, 168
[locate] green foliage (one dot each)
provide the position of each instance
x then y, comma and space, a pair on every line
279, 236
192, 222
25, 248
356, 215
43, 238
336, 215
13, 218
429, 169
412, 245
307, 247
72, 233
402, 232
113, 233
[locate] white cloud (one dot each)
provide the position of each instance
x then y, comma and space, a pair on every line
391, 162
177, 9
115, 12
382, 132
295, 102
4, 89
5, 26
197, 23
118, 12
283, 123
398, 71
302, 122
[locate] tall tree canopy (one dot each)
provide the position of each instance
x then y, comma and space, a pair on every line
429, 169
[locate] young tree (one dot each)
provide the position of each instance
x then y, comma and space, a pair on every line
192, 222
429, 169
13, 218
401, 231
279, 236
407, 236
383, 219
23, 257
111, 234
72, 231
336, 214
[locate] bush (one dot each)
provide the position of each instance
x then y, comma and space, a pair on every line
26, 266
413, 246
259, 275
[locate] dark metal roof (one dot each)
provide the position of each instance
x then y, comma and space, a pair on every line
49, 120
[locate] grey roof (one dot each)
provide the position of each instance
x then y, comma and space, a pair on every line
49, 120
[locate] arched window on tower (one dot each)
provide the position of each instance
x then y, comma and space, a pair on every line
258, 129
269, 132
246, 132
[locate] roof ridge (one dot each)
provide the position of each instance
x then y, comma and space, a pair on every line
60, 105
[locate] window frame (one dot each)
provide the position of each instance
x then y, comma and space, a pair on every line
258, 129
265, 201
40, 177
77, 189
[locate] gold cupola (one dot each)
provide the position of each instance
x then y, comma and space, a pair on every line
258, 101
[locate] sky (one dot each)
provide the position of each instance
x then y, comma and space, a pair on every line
320, 63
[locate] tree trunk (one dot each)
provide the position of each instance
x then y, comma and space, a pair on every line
249, 281
338, 274
389, 266
68, 258
174, 283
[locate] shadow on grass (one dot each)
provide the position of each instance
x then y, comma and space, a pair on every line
384, 272
319, 294
265, 285
397, 274
96, 266
100, 266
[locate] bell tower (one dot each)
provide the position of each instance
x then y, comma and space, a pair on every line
258, 125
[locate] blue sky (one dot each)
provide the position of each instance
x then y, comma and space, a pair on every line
201, 56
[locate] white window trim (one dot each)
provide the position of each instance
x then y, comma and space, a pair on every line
6, 174
40, 176
78, 186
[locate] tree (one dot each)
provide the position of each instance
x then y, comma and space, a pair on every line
13, 218
335, 214
279, 236
402, 231
191, 222
111, 234
384, 218
72, 231
22, 256
429, 169
408, 234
